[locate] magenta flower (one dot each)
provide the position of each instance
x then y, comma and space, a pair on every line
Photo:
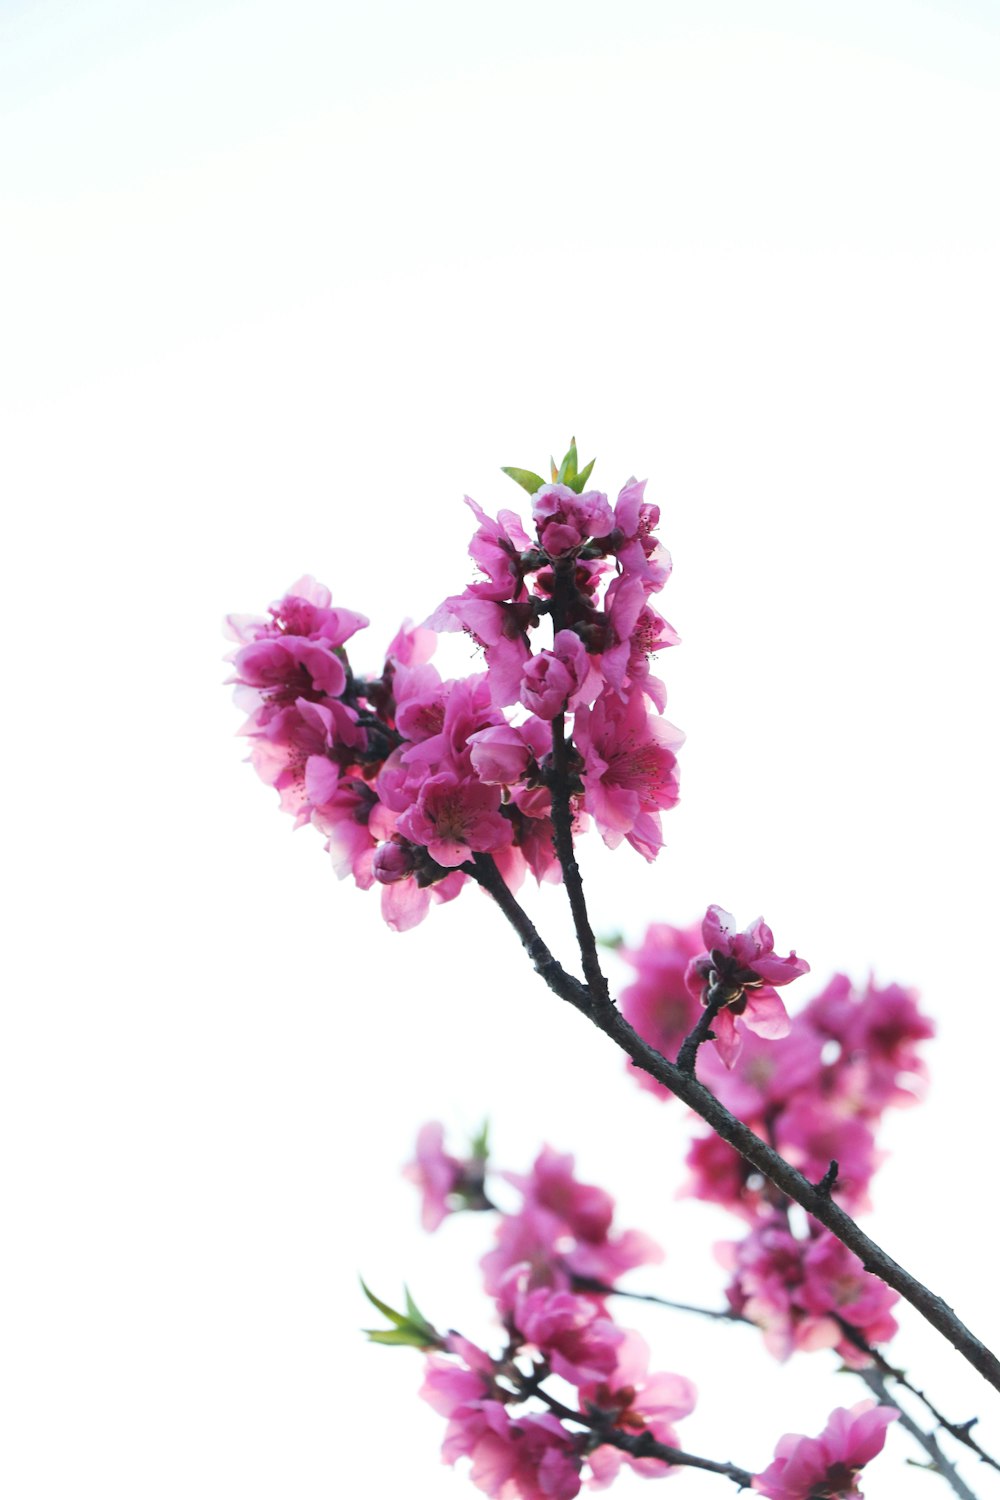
565, 520
827, 1466
637, 1402
496, 550
436, 1174
455, 818
562, 1232
630, 770
747, 958
657, 1002
446, 1182
555, 678
527, 1458
743, 967
570, 1332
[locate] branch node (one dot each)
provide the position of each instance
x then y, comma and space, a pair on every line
826, 1183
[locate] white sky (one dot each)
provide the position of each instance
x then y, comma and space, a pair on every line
279, 284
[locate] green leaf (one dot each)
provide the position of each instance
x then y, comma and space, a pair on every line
577, 484
525, 478
414, 1315
567, 469
480, 1144
394, 1317
409, 1338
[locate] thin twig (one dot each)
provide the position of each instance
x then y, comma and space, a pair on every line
720, 1314
875, 1381
960, 1431
718, 996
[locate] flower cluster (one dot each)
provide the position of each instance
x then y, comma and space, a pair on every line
549, 1258
816, 1091
551, 1275
412, 777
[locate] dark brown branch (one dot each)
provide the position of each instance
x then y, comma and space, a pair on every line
718, 996
637, 1444
562, 824
603, 1013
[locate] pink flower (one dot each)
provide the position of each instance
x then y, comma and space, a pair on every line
811, 1132
448, 1386
496, 550
570, 1333
798, 1291
555, 678
827, 1466
746, 958
524, 1458
837, 1284
454, 818
501, 755
436, 1174
446, 1182
745, 967
637, 1402
657, 1002
630, 770
565, 520
562, 1232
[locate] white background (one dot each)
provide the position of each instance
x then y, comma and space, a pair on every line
279, 283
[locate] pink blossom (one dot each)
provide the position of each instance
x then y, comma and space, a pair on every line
828, 1465
524, 1458
305, 610
719, 1174
746, 958
637, 1402
633, 540
282, 669
570, 1332
406, 902
446, 1182
496, 550
836, 1284
811, 1132
348, 813
769, 1073
436, 1174
760, 1011
500, 755
565, 520
878, 1031
743, 967
799, 1292
449, 1386
562, 1232
657, 1002
551, 680
455, 818
630, 770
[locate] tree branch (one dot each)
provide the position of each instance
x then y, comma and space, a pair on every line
603, 1013
638, 1444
